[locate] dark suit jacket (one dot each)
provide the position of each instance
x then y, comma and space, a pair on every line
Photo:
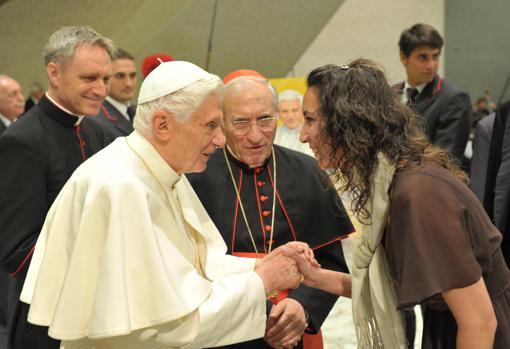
29, 103
4, 287
447, 113
113, 121
497, 186
2, 127
481, 144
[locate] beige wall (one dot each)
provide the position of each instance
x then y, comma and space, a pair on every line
370, 29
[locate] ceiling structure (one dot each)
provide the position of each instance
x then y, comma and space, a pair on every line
266, 35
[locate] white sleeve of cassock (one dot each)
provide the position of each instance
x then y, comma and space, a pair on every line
234, 312
234, 265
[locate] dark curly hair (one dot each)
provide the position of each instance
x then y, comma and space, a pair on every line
363, 115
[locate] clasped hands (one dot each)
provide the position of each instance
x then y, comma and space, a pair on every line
286, 267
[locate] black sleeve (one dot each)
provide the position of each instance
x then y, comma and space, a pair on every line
23, 204
454, 124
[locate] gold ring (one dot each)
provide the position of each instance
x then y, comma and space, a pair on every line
301, 279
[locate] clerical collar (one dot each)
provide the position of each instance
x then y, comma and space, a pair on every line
121, 107
6, 121
59, 113
155, 163
238, 163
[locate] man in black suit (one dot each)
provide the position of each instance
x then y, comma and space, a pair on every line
116, 112
497, 182
11, 101
480, 158
36, 93
11, 106
445, 109
40, 151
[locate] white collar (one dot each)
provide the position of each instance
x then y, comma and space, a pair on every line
155, 163
80, 117
418, 87
121, 107
7, 122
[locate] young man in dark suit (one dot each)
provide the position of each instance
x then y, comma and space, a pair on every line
445, 109
116, 112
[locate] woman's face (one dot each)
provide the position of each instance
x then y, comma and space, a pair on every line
311, 132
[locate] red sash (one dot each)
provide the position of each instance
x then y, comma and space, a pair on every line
310, 341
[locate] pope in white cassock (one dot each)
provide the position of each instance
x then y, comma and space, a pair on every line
128, 257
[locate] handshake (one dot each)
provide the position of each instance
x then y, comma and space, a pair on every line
287, 267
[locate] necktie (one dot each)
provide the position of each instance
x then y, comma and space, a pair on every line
131, 112
411, 94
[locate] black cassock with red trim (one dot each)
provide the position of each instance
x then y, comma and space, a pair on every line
307, 209
38, 154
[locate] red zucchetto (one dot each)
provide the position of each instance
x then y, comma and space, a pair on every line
149, 63
242, 72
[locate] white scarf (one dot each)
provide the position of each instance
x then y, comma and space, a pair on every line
374, 302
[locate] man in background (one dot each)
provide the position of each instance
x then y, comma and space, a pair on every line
40, 151
445, 109
36, 93
291, 114
117, 112
11, 101
497, 180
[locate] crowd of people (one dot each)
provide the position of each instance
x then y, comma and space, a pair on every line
209, 214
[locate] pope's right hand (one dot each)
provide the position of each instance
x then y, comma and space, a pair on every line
278, 273
308, 268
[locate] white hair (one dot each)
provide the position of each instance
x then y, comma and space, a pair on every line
290, 95
181, 104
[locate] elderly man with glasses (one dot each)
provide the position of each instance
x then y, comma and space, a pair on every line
261, 196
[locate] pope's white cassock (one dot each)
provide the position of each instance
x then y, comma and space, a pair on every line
128, 258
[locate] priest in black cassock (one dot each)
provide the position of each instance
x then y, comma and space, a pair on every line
261, 196
40, 152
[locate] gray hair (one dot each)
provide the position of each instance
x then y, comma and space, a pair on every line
62, 44
4, 77
181, 104
290, 95
243, 81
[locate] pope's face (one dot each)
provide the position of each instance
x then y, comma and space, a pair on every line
195, 140
252, 103
82, 84
291, 113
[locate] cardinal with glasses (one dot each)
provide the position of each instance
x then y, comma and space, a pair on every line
261, 196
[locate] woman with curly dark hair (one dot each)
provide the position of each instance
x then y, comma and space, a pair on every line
425, 237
